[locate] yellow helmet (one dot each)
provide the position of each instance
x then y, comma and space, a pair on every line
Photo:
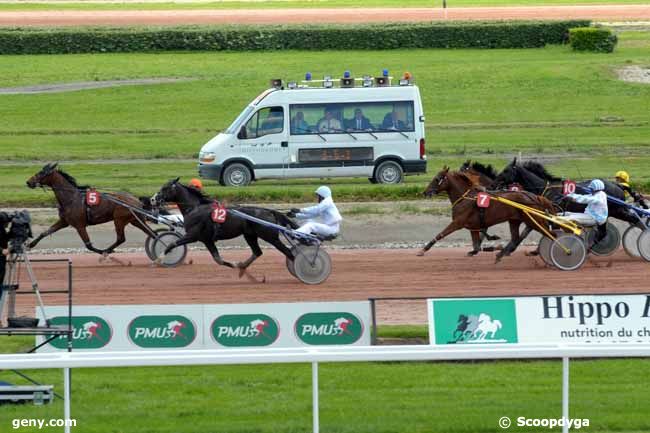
623, 176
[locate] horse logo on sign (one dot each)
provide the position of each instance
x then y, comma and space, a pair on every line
219, 213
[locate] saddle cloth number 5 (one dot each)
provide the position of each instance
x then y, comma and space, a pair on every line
483, 200
219, 213
92, 197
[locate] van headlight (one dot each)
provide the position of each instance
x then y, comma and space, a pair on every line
207, 157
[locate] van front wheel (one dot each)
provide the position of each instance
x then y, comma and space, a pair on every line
237, 175
389, 172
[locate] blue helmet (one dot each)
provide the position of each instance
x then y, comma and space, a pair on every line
597, 185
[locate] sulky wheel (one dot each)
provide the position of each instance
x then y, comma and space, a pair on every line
568, 252
609, 244
643, 243
175, 256
290, 266
148, 243
544, 249
630, 241
312, 265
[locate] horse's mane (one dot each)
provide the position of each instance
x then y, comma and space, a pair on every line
540, 170
71, 179
470, 180
487, 170
203, 199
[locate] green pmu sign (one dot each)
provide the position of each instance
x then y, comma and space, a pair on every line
241, 330
88, 332
475, 321
162, 331
328, 328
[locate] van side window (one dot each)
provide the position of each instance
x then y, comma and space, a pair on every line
350, 117
269, 120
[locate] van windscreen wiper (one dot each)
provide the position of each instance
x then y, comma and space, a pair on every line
393, 130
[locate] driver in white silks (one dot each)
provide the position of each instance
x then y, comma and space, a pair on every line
328, 216
596, 212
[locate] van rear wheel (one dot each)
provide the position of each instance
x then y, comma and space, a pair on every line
389, 172
237, 174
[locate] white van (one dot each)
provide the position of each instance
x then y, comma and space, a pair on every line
372, 129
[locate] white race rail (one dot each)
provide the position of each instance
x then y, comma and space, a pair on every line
316, 355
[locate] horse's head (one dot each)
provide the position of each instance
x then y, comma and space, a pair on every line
44, 177
169, 192
510, 174
438, 184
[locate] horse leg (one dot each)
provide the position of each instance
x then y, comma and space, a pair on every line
488, 236
120, 239
60, 224
514, 241
251, 240
83, 234
214, 252
477, 238
452, 227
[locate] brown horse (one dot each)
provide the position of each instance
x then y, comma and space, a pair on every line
463, 189
73, 210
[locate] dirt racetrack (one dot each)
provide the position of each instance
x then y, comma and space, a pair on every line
309, 16
357, 275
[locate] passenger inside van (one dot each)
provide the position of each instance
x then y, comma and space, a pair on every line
359, 122
391, 121
274, 122
299, 125
329, 123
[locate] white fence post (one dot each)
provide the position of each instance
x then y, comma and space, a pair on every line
314, 395
565, 394
66, 399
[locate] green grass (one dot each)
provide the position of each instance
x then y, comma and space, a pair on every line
486, 104
279, 4
355, 398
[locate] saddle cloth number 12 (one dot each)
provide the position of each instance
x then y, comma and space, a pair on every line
219, 213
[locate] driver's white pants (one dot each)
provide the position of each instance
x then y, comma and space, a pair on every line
581, 218
319, 229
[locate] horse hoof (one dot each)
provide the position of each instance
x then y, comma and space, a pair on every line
420, 253
241, 271
472, 253
493, 238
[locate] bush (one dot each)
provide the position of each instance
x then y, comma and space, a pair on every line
322, 37
592, 39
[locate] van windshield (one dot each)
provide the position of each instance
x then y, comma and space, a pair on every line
234, 126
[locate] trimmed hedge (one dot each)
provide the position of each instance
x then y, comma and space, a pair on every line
244, 38
592, 39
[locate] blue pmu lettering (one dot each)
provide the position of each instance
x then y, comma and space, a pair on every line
563, 307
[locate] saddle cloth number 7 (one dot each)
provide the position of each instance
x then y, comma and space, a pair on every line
483, 200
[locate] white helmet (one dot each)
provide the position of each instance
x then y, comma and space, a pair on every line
597, 185
324, 191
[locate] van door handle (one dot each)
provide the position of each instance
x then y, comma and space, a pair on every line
284, 144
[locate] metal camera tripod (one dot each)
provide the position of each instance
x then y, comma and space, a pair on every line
11, 283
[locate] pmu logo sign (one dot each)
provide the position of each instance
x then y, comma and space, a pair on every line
328, 328
162, 331
241, 330
88, 332
475, 321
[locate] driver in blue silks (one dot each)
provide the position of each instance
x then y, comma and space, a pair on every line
596, 212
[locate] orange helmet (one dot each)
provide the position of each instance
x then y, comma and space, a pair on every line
196, 183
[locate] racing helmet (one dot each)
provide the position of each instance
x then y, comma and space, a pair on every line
623, 176
597, 185
196, 183
324, 191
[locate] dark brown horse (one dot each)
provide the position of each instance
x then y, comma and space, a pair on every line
463, 189
74, 212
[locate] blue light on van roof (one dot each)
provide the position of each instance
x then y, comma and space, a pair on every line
346, 74
308, 76
384, 72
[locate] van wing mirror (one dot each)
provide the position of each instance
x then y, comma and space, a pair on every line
242, 132
422, 118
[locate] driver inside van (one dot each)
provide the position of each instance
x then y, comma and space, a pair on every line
329, 123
